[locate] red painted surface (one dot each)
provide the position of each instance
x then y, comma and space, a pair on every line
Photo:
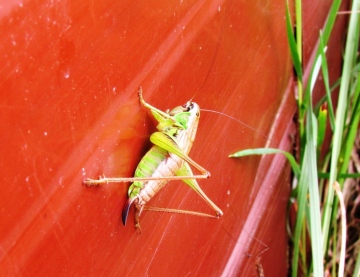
70, 72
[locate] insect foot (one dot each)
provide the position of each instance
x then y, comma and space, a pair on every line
92, 182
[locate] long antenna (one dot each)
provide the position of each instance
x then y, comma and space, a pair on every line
215, 54
239, 121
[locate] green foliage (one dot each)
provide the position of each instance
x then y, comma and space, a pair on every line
317, 208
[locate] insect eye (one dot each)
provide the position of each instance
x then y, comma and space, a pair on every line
188, 106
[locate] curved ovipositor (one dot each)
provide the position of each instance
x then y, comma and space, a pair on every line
125, 210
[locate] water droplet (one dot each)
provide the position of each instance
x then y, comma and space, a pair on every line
66, 74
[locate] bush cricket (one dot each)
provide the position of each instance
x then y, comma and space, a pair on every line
167, 160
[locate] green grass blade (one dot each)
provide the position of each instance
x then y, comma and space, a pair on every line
340, 117
341, 175
326, 35
357, 266
331, 20
325, 73
309, 175
266, 151
292, 44
299, 223
352, 130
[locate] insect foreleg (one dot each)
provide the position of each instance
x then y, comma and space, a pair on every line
156, 112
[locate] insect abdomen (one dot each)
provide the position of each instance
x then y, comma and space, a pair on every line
150, 162
156, 163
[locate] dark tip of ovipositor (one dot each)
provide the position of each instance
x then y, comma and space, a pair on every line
125, 210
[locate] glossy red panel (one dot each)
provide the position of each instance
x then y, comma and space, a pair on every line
70, 72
